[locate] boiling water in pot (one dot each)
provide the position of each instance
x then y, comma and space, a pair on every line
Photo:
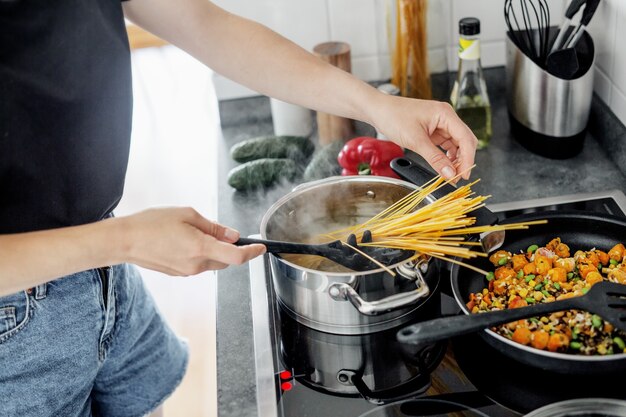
307, 217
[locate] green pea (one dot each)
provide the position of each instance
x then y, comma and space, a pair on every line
530, 300
619, 342
546, 293
574, 335
534, 320
520, 274
490, 276
596, 321
613, 262
557, 285
585, 290
538, 287
599, 267
575, 345
502, 261
570, 275
532, 248
529, 277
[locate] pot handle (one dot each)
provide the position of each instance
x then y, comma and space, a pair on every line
344, 291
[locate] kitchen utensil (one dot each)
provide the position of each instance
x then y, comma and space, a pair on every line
572, 9
588, 12
563, 63
531, 30
338, 252
548, 114
339, 300
607, 299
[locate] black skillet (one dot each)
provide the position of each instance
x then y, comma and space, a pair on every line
580, 230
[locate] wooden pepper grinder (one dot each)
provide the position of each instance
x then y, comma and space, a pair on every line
330, 127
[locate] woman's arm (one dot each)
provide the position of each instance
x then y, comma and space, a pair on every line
176, 241
259, 58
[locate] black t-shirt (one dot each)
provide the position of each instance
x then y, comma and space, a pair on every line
65, 112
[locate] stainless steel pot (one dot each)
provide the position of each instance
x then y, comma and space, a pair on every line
344, 302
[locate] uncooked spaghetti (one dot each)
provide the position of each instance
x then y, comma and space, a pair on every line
439, 229
409, 58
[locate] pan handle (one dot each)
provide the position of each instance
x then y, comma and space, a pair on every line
411, 171
344, 291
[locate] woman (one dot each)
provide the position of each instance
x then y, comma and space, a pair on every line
78, 336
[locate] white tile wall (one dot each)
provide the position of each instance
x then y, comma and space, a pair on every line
363, 24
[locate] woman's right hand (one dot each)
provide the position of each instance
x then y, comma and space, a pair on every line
180, 241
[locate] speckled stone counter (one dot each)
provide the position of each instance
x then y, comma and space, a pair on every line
507, 171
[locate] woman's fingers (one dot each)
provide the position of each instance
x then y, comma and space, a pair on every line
461, 135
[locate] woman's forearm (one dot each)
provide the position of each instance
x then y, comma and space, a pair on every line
29, 259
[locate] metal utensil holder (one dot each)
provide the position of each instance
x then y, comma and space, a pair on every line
548, 114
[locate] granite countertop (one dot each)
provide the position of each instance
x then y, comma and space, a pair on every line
508, 172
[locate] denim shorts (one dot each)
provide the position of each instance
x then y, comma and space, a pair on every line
89, 344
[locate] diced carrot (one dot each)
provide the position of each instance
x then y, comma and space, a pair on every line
562, 250
519, 261
603, 257
557, 341
517, 301
617, 252
584, 269
522, 335
495, 258
557, 274
530, 269
539, 339
593, 277
543, 264
499, 286
504, 272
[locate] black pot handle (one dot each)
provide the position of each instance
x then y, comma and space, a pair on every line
408, 389
413, 172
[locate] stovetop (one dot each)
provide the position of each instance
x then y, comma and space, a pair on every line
302, 372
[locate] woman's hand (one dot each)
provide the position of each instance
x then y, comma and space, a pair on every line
179, 241
430, 128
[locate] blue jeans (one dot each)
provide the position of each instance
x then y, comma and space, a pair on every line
89, 344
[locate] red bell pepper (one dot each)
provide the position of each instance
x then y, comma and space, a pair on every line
369, 156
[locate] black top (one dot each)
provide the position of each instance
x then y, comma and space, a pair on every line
65, 112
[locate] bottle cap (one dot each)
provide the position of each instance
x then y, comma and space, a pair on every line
469, 26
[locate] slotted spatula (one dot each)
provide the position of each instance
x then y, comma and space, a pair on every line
337, 252
606, 299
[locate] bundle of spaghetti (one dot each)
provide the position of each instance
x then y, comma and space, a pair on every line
439, 229
409, 58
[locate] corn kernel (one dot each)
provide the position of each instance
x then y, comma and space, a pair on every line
538, 295
475, 309
544, 319
523, 292
485, 291
547, 327
532, 283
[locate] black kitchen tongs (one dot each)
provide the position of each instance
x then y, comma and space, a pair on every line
338, 252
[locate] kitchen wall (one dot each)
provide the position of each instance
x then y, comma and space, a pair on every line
363, 24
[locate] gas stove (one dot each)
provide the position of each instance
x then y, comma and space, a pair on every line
307, 373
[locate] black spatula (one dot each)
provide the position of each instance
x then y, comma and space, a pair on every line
337, 252
606, 299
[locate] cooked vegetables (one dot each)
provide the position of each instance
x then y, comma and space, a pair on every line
548, 273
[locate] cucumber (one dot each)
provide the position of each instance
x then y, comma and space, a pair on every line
298, 148
324, 162
262, 172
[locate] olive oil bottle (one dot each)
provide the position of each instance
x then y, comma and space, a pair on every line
469, 94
